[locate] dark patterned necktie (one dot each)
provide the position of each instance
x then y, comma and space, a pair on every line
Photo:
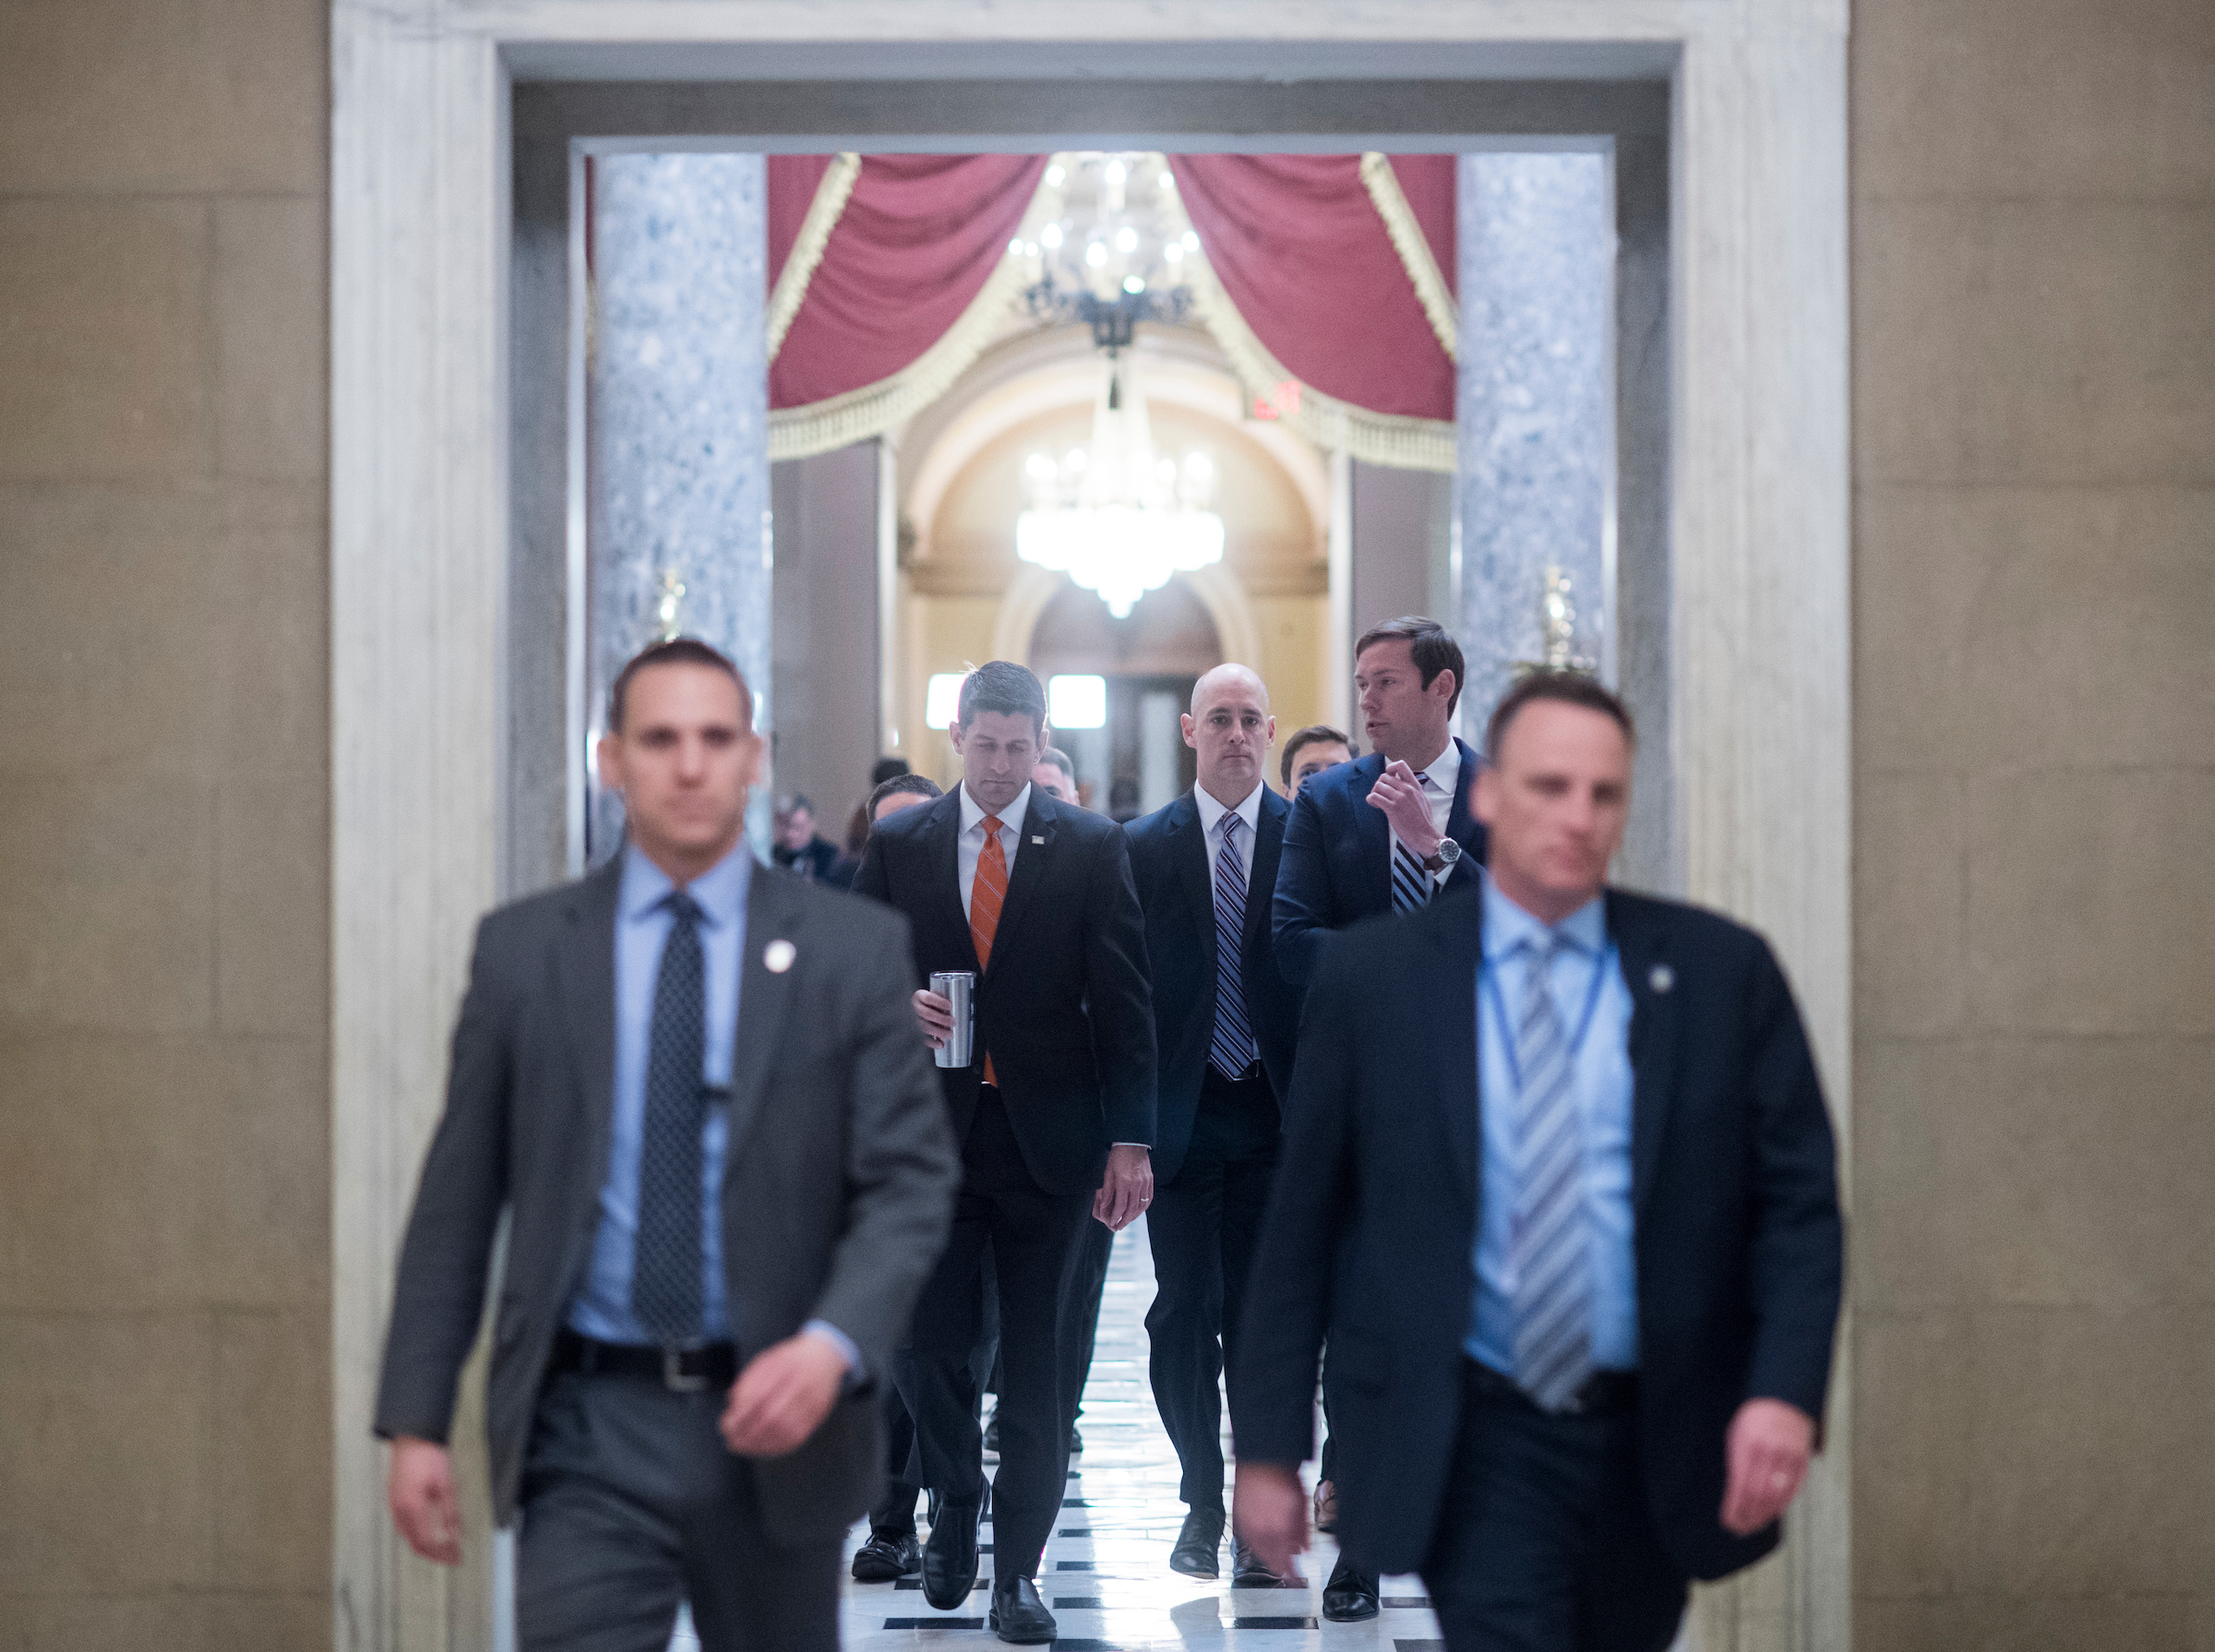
666, 1272
1233, 1048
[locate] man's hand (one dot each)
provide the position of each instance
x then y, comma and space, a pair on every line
1269, 1514
1126, 1189
783, 1396
936, 1013
420, 1489
1766, 1456
1396, 793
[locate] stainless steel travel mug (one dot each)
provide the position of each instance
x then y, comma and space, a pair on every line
958, 988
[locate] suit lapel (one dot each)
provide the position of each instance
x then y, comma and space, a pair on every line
941, 842
1459, 946
1188, 848
585, 964
764, 996
1461, 825
1029, 870
1372, 831
1261, 880
1651, 978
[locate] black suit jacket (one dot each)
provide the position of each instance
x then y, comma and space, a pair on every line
1337, 861
1169, 858
1064, 1010
1372, 1227
838, 1193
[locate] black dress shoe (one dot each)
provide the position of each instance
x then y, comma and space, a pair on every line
1248, 1572
949, 1557
1077, 1441
992, 1432
1018, 1614
1351, 1595
885, 1558
1194, 1554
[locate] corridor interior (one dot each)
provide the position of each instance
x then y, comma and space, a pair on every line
1105, 1572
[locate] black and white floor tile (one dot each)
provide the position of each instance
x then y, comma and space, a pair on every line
1105, 1573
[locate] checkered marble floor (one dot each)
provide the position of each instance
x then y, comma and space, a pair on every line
1105, 1573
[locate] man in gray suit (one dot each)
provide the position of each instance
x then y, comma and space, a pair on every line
696, 1085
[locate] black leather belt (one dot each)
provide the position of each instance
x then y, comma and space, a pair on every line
1605, 1392
680, 1371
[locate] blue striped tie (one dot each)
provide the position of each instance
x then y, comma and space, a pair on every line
1552, 1250
1411, 886
1233, 1048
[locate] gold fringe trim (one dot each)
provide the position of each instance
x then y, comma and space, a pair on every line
823, 212
1400, 440
858, 414
1414, 248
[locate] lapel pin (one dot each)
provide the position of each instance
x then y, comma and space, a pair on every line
1662, 978
1038, 840
777, 956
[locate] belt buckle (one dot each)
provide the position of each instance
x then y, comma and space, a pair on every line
676, 1379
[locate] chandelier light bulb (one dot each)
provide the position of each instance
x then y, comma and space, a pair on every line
1192, 241
1055, 176
1167, 181
1050, 237
1125, 239
1133, 284
1174, 252
1116, 172
1097, 253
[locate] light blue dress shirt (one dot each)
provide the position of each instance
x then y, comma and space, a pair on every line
1600, 1072
643, 924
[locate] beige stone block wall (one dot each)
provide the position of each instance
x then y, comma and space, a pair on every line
164, 1157
2034, 1108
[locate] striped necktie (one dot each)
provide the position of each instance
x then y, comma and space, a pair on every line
1233, 1049
1411, 885
1552, 1249
988, 894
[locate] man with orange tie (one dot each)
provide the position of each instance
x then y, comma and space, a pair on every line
1055, 1115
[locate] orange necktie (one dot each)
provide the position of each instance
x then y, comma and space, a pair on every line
987, 896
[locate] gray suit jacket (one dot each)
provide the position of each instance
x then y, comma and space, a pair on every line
836, 1199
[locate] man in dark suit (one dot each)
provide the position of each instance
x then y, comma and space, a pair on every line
1577, 1252
696, 1091
1054, 1113
800, 848
1388, 833
1224, 1021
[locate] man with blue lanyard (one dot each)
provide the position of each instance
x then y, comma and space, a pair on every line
1577, 1250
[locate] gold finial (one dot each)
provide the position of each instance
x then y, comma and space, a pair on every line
1557, 629
671, 603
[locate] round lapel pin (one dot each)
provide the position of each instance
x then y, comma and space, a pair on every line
777, 956
1662, 979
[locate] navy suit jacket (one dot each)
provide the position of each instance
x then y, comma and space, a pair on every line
1170, 859
1064, 1010
1336, 868
1372, 1229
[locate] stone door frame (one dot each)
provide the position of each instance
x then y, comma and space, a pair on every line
420, 524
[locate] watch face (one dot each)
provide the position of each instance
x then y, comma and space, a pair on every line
1449, 850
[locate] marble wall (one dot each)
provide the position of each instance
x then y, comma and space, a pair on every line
679, 493
1536, 486
2035, 775
165, 1188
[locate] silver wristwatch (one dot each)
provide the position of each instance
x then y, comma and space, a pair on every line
1443, 856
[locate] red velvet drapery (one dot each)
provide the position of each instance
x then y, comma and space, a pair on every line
1302, 252
917, 240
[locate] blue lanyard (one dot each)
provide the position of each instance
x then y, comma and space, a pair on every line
1491, 974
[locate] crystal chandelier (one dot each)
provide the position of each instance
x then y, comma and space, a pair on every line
1118, 518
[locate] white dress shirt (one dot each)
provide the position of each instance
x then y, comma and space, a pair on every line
1211, 821
971, 843
1441, 775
